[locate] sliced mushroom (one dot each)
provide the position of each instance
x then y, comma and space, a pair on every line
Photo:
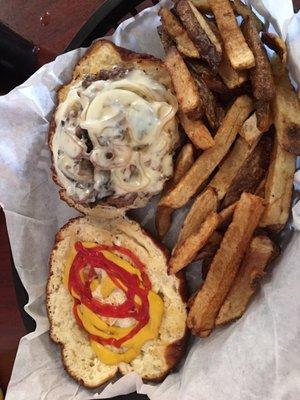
76, 170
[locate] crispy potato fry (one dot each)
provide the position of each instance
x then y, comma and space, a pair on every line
204, 204
264, 115
212, 109
277, 44
212, 81
249, 130
286, 111
230, 167
201, 4
188, 249
184, 83
224, 267
246, 12
253, 170
165, 38
279, 188
239, 53
262, 81
261, 188
211, 158
200, 32
185, 159
231, 77
259, 254
211, 247
177, 33
225, 216
197, 132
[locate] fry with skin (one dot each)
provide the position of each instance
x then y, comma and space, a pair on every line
286, 110
185, 86
278, 189
165, 38
211, 158
212, 81
197, 132
185, 159
246, 12
188, 249
225, 216
231, 77
277, 44
239, 53
177, 32
225, 264
264, 115
259, 254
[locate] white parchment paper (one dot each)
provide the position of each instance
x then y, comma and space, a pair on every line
255, 358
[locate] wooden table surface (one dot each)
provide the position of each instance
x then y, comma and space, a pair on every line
51, 25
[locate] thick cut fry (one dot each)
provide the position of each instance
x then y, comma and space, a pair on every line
225, 216
253, 170
230, 76
201, 4
211, 247
187, 251
212, 109
184, 83
261, 74
259, 254
286, 110
249, 130
185, 159
224, 267
199, 30
239, 54
210, 159
261, 188
165, 38
231, 166
275, 43
205, 204
177, 33
197, 132
279, 188
264, 115
246, 12
212, 81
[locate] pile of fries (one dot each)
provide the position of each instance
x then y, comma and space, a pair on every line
241, 117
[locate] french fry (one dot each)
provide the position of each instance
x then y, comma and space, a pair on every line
201, 4
230, 167
185, 159
184, 83
212, 81
246, 12
165, 38
264, 115
261, 188
259, 254
213, 111
197, 132
250, 131
225, 264
225, 216
262, 81
231, 77
277, 44
286, 110
251, 173
200, 32
177, 32
239, 53
278, 189
204, 204
211, 158
188, 249
211, 247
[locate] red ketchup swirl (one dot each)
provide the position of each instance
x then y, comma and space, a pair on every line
86, 260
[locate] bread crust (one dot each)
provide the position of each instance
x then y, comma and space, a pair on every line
173, 352
123, 57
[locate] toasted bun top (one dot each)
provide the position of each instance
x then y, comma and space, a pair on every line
158, 356
113, 133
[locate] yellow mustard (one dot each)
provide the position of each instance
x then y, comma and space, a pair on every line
94, 325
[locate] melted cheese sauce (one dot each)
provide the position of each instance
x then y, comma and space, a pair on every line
115, 137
